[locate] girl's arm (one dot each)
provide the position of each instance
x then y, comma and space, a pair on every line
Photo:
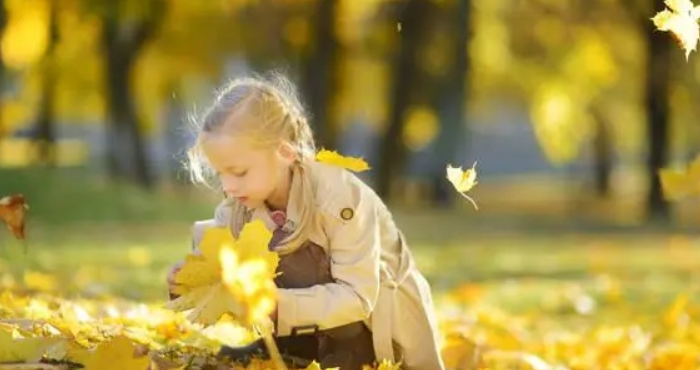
354, 248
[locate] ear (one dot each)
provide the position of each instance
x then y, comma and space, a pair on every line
287, 152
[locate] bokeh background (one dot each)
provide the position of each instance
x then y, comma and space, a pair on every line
569, 108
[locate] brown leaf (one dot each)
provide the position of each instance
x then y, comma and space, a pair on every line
12, 209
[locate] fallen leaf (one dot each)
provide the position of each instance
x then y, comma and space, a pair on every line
16, 348
463, 181
12, 210
681, 19
114, 354
351, 163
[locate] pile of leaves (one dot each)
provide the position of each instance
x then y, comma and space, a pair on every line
55, 333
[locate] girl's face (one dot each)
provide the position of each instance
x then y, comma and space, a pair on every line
253, 175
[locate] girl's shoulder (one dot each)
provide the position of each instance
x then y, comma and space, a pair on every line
340, 192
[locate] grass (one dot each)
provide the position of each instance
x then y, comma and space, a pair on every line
584, 294
93, 238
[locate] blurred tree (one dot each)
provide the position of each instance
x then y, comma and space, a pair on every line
3, 23
126, 27
320, 71
658, 69
413, 16
45, 122
452, 97
602, 152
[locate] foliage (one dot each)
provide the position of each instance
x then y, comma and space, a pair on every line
463, 181
350, 163
12, 209
117, 333
228, 276
679, 184
681, 19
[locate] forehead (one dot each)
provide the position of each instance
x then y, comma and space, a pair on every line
227, 150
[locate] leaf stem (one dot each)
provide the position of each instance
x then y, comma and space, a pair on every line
272, 346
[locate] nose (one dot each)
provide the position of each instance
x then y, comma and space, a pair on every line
230, 185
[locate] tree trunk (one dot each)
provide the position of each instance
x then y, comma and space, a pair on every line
657, 106
319, 76
453, 133
127, 151
602, 151
393, 150
3, 23
45, 135
123, 41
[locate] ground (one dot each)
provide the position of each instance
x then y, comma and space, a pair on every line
579, 297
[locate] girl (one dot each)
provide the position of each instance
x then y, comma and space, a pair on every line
349, 291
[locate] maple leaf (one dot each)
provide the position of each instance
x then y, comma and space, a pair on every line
351, 163
681, 19
228, 276
116, 353
463, 181
678, 184
16, 348
12, 209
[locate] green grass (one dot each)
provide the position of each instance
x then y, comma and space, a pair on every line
520, 273
95, 238
68, 196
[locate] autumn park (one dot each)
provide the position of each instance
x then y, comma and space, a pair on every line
541, 160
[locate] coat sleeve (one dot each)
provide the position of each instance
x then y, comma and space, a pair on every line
222, 215
354, 249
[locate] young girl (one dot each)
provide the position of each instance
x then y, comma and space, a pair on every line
349, 291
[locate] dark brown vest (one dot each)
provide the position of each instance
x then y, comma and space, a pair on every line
348, 346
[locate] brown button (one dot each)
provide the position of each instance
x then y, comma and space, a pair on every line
347, 214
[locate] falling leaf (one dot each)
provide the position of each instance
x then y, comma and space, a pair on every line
678, 184
12, 209
228, 276
463, 181
351, 163
117, 353
681, 19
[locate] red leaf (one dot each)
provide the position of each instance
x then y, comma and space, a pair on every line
12, 209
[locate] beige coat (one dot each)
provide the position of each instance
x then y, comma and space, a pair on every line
376, 278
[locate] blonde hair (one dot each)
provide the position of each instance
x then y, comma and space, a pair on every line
279, 117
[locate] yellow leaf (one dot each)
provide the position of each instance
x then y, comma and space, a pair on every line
679, 184
351, 163
249, 270
463, 181
16, 348
203, 267
388, 365
115, 354
228, 276
313, 366
681, 19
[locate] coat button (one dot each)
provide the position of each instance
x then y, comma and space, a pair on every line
347, 214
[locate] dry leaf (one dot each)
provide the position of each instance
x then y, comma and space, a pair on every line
115, 354
12, 210
228, 276
681, 19
351, 163
679, 184
463, 181
16, 348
